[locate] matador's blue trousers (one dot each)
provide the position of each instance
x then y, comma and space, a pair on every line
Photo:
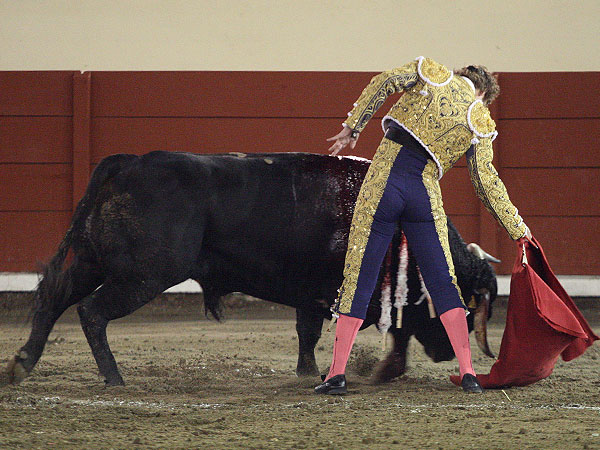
401, 186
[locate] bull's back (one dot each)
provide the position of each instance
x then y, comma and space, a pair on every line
247, 221
284, 201
282, 204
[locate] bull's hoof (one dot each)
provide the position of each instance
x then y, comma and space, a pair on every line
307, 367
114, 381
15, 372
111, 383
307, 372
391, 367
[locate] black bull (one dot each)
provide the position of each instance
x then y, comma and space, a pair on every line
274, 226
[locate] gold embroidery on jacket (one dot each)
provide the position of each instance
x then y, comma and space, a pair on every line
435, 115
491, 190
481, 120
377, 92
435, 72
438, 120
439, 217
444, 120
367, 202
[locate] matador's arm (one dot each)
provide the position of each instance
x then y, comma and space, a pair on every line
491, 190
377, 91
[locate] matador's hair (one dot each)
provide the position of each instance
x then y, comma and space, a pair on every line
483, 80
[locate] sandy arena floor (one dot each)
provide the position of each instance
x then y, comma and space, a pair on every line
194, 383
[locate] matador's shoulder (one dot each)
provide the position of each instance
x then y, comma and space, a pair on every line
432, 72
480, 120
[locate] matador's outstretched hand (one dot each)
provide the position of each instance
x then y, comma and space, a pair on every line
342, 139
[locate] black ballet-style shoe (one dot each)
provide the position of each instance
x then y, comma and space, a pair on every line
470, 384
334, 386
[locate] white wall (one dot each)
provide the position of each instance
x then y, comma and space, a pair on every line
505, 35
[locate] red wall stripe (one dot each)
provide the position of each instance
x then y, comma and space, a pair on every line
36, 93
55, 126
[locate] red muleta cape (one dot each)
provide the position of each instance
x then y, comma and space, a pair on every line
542, 323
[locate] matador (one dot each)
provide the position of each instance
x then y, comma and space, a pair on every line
441, 116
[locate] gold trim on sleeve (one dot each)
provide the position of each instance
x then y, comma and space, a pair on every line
491, 190
377, 92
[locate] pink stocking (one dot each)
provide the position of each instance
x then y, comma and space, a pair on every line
455, 323
345, 333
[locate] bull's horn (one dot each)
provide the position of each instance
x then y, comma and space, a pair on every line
480, 323
480, 253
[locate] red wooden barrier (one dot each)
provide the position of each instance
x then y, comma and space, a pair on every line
56, 126
81, 134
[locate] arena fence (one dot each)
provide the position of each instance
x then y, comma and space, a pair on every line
56, 126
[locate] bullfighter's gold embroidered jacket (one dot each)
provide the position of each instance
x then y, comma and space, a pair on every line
439, 109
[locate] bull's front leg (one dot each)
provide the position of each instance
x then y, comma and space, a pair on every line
309, 323
394, 364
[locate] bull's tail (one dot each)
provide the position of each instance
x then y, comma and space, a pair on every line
56, 284
54, 292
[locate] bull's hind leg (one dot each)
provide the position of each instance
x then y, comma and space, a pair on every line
112, 300
82, 278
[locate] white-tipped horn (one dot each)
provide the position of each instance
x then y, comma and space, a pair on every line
480, 253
